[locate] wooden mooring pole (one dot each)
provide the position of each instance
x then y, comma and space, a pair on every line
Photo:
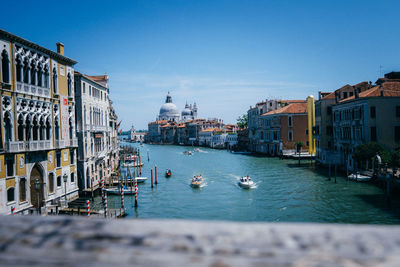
155, 172
151, 178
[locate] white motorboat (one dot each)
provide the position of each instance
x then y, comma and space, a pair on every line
359, 177
140, 179
246, 182
197, 181
117, 191
187, 152
197, 149
132, 164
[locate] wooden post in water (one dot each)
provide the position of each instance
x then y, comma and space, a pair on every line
151, 178
140, 165
136, 194
329, 172
335, 173
155, 172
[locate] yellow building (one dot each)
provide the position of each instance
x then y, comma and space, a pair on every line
38, 142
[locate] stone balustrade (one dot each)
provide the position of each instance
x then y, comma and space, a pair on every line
78, 241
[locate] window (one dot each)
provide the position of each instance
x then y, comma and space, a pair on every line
72, 177
373, 134
372, 112
290, 136
51, 183
90, 90
58, 159
261, 135
329, 110
329, 130
344, 94
18, 61
55, 89
290, 121
397, 133
58, 181
397, 111
22, 190
10, 166
5, 67
69, 84
83, 87
10, 194
71, 155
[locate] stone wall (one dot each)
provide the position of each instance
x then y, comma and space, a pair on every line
65, 241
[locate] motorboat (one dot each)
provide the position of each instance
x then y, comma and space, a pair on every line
168, 173
117, 191
359, 177
132, 164
140, 179
246, 182
197, 150
187, 152
197, 181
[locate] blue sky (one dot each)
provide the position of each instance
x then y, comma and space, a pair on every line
225, 55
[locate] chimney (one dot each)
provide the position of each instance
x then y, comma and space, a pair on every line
60, 48
355, 93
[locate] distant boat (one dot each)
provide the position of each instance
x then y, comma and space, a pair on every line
117, 191
246, 182
197, 181
197, 149
359, 177
241, 152
187, 152
168, 173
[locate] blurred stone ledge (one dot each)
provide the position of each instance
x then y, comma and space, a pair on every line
77, 241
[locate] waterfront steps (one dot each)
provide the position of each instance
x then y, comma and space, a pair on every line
78, 241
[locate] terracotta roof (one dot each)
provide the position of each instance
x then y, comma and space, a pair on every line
294, 108
330, 96
390, 89
158, 122
293, 101
166, 125
212, 130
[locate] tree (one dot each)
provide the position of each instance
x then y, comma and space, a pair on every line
242, 121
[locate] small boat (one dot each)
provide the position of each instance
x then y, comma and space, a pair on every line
140, 179
197, 181
168, 173
246, 182
197, 149
187, 152
359, 177
132, 164
117, 191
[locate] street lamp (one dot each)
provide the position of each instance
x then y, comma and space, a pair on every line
65, 177
37, 187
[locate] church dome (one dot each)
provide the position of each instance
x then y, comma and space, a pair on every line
169, 109
186, 112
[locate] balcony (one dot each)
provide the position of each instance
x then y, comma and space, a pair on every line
38, 145
73, 142
32, 90
96, 128
60, 143
15, 146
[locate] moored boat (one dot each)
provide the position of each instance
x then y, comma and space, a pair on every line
359, 177
246, 182
197, 181
140, 179
117, 191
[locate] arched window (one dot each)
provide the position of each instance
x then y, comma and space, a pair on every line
5, 66
19, 68
40, 75
33, 72
51, 183
57, 129
69, 84
26, 70
55, 89
84, 115
91, 114
28, 127
48, 129
72, 177
46, 76
7, 127
10, 194
35, 128
22, 190
42, 129
20, 128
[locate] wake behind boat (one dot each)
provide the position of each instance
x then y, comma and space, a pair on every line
197, 181
246, 182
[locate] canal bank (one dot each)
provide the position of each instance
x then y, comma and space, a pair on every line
285, 191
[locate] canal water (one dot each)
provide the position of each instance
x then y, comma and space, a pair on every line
284, 191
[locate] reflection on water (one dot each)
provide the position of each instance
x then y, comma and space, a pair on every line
283, 192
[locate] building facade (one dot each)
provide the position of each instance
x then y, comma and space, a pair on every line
38, 143
96, 130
